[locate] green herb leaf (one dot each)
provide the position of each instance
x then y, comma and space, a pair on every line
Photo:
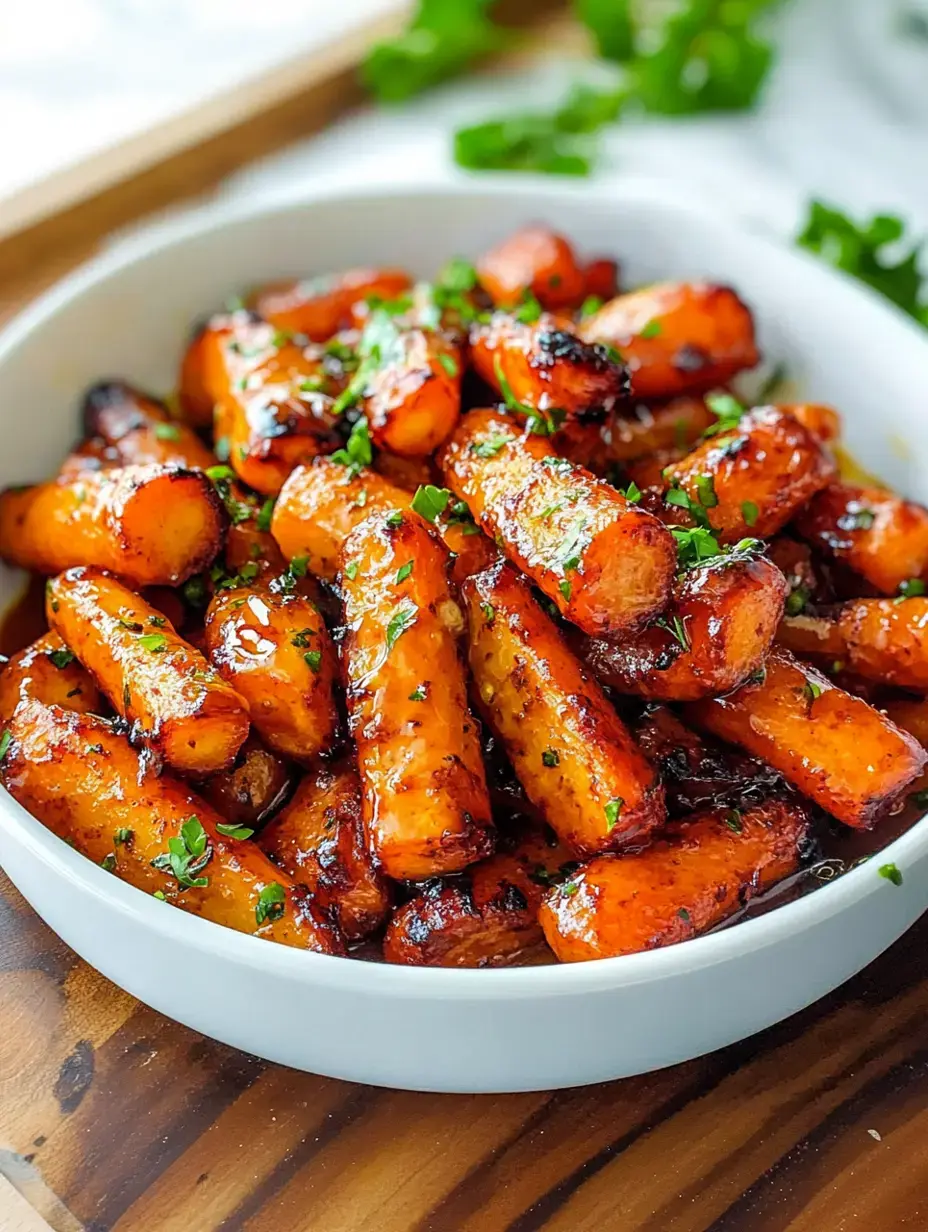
550, 758
108, 863
403, 572
228, 830
265, 514
912, 588
651, 330
271, 903
351, 570
632, 493
529, 310
610, 23
357, 452
684, 915
430, 502
449, 363
694, 545
489, 612
861, 251
419, 693
613, 810
797, 601
302, 639
155, 643
812, 690
5, 742
891, 873
490, 447
61, 658
749, 512
705, 489
591, 304
402, 619
732, 819
728, 411
313, 661
676, 627
566, 590
395, 519
167, 431
123, 835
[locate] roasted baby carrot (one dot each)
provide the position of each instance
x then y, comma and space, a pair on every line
879, 535
153, 525
252, 788
269, 643
318, 838
676, 888
717, 630
544, 371
426, 807
159, 683
644, 428
751, 479
48, 672
486, 918
534, 261
835, 748
83, 780
885, 640
578, 763
676, 337
606, 564
136, 429
320, 307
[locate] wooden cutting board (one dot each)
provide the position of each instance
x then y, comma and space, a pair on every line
113, 1117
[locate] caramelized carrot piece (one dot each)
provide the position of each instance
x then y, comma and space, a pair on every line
426, 807
319, 840
137, 430
269, 642
576, 760
752, 479
607, 564
320, 307
412, 398
533, 261
601, 279
880, 536
677, 337
155, 526
835, 748
252, 788
47, 672
488, 917
83, 780
676, 888
647, 428
717, 630
541, 367
823, 422
885, 640
158, 682
272, 398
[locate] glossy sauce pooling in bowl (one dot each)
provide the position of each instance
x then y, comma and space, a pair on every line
505, 583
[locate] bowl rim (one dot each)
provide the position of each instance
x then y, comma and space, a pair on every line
599, 975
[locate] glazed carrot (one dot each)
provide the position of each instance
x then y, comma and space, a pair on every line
407, 473
607, 564
885, 640
823, 422
752, 479
252, 788
412, 393
576, 760
318, 838
82, 779
488, 917
321, 504
533, 261
541, 367
879, 535
320, 307
646, 428
676, 337
717, 630
697, 772
426, 808
677, 887
47, 672
137, 430
270, 643
272, 398
794, 560
152, 677
835, 748
153, 525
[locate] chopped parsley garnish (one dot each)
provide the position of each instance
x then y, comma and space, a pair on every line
167, 432
61, 658
222, 477
302, 639
749, 512
228, 830
195, 592
651, 330
403, 572
591, 304
550, 758
123, 835
797, 601
705, 489
812, 690
108, 863
395, 519
271, 903
157, 622
357, 452
154, 643
910, 589
419, 693
430, 502
728, 411
695, 545
632, 493
891, 873
613, 810
449, 363
684, 915
5, 741
569, 889
351, 570
265, 514
566, 590
187, 855
489, 612
402, 619
529, 310
676, 628
489, 447
732, 820
313, 660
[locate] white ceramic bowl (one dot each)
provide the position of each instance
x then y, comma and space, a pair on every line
129, 314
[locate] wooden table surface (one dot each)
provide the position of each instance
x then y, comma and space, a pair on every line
113, 1117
